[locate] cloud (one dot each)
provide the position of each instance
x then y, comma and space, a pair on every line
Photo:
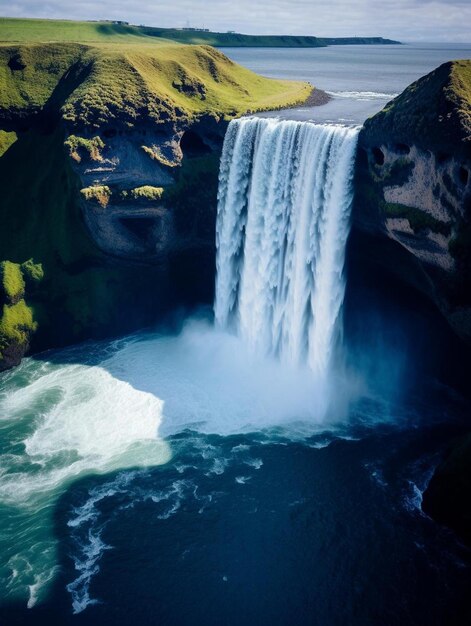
407, 20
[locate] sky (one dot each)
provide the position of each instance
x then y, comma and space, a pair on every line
406, 20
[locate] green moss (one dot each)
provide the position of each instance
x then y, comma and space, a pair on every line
16, 319
7, 139
100, 194
12, 280
147, 192
459, 91
78, 146
42, 221
16, 322
33, 271
418, 220
156, 154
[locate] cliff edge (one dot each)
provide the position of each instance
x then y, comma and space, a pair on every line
413, 188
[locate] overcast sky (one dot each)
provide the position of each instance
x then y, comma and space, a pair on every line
407, 20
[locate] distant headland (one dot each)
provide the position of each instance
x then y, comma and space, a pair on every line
20, 30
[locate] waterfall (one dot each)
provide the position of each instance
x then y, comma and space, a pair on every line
285, 195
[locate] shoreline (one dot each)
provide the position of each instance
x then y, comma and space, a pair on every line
317, 98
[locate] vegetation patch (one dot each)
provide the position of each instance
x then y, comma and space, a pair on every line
146, 192
99, 194
32, 271
157, 155
80, 146
7, 139
12, 281
16, 318
16, 324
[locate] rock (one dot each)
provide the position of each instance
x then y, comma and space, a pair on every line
148, 227
413, 186
448, 496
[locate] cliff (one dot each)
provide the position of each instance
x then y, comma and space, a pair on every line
413, 188
109, 159
412, 215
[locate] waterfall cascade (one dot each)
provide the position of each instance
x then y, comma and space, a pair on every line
285, 194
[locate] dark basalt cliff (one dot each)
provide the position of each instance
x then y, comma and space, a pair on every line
412, 218
413, 189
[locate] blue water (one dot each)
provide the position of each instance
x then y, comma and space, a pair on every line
124, 508
362, 79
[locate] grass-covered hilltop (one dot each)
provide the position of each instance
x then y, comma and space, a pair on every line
96, 85
109, 156
28, 30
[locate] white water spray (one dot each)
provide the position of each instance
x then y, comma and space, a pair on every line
285, 195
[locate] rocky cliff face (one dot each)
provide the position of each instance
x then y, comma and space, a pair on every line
413, 213
447, 496
413, 187
109, 159
135, 185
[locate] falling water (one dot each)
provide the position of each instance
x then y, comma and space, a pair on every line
285, 194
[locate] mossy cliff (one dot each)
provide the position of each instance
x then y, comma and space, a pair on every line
17, 321
108, 169
413, 187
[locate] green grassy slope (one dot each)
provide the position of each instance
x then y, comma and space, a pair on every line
30, 30
98, 84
